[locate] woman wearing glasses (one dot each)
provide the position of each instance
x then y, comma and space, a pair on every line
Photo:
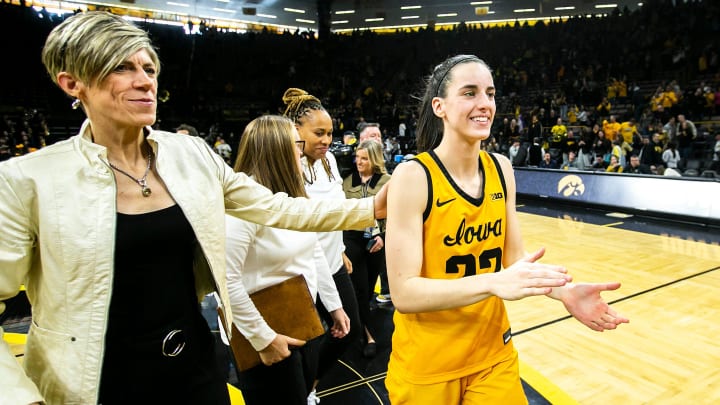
260, 256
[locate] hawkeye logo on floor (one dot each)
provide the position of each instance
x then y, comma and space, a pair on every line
571, 186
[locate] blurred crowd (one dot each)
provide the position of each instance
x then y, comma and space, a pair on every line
639, 71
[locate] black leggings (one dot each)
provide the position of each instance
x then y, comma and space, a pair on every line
331, 348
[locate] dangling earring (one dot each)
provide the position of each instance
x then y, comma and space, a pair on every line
75, 104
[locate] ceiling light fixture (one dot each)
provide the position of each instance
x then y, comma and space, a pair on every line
294, 10
605, 5
410, 7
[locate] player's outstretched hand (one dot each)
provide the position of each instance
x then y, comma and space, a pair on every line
583, 301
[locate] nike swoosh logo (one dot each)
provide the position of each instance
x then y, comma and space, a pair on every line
441, 203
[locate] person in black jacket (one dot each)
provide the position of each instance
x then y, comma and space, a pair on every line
651, 151
636, 167
535, 153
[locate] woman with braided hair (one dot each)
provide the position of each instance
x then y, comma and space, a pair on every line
323, 180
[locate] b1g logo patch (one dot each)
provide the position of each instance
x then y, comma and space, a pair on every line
496, 196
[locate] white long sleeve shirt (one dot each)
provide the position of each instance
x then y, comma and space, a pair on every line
327, 187
259, 257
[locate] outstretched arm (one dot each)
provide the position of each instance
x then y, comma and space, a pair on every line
582, 300
413, 293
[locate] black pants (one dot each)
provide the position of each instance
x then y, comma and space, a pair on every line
331, 348
366, 268
288, 382
137, 372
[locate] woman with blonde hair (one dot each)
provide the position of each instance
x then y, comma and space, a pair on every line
118, 233
366, 248
322, 180
259, 257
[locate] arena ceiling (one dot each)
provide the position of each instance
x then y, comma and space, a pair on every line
375, 14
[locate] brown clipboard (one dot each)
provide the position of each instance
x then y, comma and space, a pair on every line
287, 308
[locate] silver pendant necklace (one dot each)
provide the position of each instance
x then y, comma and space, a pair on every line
142, 182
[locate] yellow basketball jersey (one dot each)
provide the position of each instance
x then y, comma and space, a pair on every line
463, 236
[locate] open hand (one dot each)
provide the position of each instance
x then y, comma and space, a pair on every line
583, 301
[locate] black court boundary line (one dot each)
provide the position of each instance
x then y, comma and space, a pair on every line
620, 299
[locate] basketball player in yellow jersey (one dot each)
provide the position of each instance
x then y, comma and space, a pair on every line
451, 229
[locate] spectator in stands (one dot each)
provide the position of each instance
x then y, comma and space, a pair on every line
629, 131
651, 152
436, 282
670, 130
603, 109
514, 132
259, 257
671, 156
614, 165
514, 149
585, 143
548, 162
573, 163
715, 165
535, 130
323, 181
611, 128
636, 167
5, 150
503, 135
135, 217
370, 131
618, 150
223, 149
686, 134
599, 164
349, 138
187, 130
668, 98
558, 133
535, 153
570, 145
366, 248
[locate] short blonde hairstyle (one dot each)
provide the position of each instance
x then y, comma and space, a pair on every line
267, 152
375, 154
90, 45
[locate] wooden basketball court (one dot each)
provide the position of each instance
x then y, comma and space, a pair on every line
667, 354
